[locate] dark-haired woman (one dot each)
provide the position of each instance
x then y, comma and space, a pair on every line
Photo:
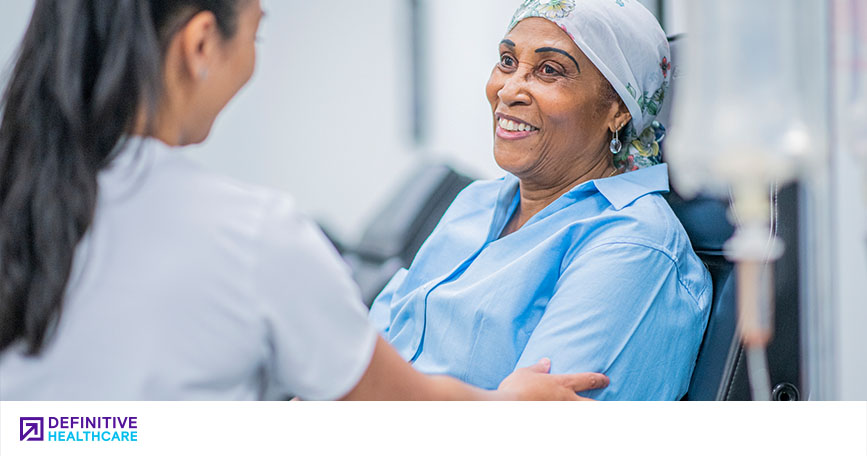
128, 273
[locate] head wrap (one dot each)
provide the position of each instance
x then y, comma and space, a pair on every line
625, 42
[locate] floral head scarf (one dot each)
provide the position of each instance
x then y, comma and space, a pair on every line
625, 42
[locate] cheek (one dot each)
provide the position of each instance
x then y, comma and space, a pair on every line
575, 113
559, 105
237, 71
492, 89
248, 62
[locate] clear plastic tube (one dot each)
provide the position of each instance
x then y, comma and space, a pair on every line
757, 369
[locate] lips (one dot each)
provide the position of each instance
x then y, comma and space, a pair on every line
513, 128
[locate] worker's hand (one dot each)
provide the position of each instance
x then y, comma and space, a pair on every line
534, 383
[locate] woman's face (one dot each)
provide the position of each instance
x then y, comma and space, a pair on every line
551, 124
215, 66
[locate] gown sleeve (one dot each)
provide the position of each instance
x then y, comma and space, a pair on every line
620, 309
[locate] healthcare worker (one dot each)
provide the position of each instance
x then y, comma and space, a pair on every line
128, 273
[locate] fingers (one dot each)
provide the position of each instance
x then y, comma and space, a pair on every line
570, 396
542, 367
583, 382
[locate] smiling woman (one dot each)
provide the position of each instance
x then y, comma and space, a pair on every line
574, 252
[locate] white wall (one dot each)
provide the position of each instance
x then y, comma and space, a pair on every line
675, 16
848, 199
463, 41
850, 273
326, 116
14, 16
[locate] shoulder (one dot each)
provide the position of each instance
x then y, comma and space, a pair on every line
163, 199
269, 221
647, 227
482, 192
487, 186
647, 222
209, 187
474, 200
289, 257
216, 203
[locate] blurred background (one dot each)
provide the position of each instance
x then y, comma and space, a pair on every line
351, 99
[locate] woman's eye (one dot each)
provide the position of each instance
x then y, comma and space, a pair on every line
549, 70
507, 61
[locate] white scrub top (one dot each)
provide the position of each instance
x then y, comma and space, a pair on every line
192, 286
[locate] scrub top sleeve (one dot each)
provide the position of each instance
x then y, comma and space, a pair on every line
319, 338
619, 309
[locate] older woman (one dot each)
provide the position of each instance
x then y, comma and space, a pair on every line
574, 253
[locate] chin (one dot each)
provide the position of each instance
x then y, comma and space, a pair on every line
198, 137
511, 161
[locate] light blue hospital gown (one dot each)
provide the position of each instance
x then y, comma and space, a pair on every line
604, 279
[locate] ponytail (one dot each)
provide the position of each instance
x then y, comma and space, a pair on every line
86, 71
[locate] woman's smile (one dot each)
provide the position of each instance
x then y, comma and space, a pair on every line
513, 128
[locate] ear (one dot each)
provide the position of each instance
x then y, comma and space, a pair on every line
620, 118
200, 40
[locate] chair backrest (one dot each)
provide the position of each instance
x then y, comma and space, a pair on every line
705, 221
397, 232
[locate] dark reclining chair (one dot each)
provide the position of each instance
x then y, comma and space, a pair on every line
705, 221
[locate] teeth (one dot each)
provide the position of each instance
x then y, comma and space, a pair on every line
509, 125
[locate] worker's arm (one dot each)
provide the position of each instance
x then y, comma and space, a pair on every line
390, 377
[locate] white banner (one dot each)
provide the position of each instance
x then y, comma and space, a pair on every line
249, 428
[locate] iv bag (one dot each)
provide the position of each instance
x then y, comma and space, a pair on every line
738, 114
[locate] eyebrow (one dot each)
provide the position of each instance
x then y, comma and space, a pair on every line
559, 51
509, 43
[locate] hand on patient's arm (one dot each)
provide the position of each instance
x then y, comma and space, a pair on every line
534, 383
389, 377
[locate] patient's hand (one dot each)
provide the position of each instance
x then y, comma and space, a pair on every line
534, 383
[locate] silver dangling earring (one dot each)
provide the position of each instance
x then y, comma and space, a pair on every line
616, 146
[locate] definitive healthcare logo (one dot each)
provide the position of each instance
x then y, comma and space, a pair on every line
31, 429
79, 429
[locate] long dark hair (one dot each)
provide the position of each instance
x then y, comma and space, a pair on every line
86, 71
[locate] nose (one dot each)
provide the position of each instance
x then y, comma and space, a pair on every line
515, 90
